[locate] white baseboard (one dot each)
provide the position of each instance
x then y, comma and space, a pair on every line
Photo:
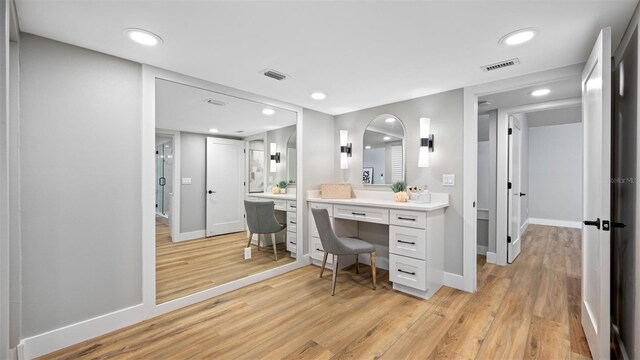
482, 250
57, 339
492, 257
524, 226
454, 281
559, 223
198, 234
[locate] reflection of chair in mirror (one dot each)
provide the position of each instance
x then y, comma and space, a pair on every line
261, 220
336, 246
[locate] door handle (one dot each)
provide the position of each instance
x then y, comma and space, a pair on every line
211, 192
617, 225
595, 223
522, 194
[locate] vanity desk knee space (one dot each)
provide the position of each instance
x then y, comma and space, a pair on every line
409, 237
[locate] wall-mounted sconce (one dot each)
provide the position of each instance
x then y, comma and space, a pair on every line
275, 157
426, 142
345, 149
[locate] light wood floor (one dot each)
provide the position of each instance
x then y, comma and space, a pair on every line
530, 309
190, 266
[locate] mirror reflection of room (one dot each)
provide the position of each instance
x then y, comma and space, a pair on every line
383, 153
219, 161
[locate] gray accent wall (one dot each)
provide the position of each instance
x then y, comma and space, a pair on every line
555, 172
193, 151
4, 183
81, 184
446, 113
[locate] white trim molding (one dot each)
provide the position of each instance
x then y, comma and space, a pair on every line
53, 340
524, 227
491, 257
191, 235
559, 223
454, 281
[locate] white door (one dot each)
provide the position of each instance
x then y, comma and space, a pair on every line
513, 207
225, 186
596, 117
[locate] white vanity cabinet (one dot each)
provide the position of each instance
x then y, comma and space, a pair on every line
284, 204
415, 238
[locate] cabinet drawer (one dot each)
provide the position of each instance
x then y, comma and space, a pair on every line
408, 242
317, 252
362, 213
292, 221
292, 242
280, 205
329, 207
414, 219
292, 206
313, 228
407, 271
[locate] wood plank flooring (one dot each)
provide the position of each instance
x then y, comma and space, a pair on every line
187, 267
530, 309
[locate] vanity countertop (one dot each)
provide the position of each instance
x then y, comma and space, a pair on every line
273, 196
378, 199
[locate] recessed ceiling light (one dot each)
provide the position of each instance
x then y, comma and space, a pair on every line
390, 120
143, 37
367, 147
540, 92
318, 96
386, 138
268, 111
213, 130
518, 37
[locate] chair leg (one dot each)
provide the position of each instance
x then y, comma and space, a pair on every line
335, 274
357, 265
324, 263
259, 239
250, 237
273, 242
373, 269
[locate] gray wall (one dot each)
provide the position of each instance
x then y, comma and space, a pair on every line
193, 151
15, 286
81, 184
4, 185
445, 111
318, 165
555, 172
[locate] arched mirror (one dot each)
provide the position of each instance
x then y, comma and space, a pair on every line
383, 155
292, 157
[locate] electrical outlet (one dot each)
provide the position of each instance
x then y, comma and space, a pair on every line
247, 253
448, 180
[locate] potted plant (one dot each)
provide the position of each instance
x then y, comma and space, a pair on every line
283, 187
400, 191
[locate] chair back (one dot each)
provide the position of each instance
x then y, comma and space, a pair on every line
328, 237
261, 217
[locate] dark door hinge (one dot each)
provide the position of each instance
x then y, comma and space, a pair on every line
510, 131
509, 239
509, 185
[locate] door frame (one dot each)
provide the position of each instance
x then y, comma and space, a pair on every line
149, 307
502, 166
470, 156
515, 243
174, 215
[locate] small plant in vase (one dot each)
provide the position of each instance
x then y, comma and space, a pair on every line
282, 185
400, 191
275, 190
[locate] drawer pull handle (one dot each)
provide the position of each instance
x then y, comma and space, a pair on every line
404, 218
406, 272
292, 222
356, 213
291, 242
319, 250
292, 206
407, 242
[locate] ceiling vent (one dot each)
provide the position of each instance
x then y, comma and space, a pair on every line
500, 65
215, 102
484, 102
274, 74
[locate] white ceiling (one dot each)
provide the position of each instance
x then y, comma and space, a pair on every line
560, 116
563, 89
362, 54
184, 108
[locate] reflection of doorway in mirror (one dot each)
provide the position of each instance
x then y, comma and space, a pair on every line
397, 165
256, 174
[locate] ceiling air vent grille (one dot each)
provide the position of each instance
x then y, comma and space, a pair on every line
500, 65
215, 102
274, 74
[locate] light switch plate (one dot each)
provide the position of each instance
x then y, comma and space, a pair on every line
448, 180
186, 181
247, 253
